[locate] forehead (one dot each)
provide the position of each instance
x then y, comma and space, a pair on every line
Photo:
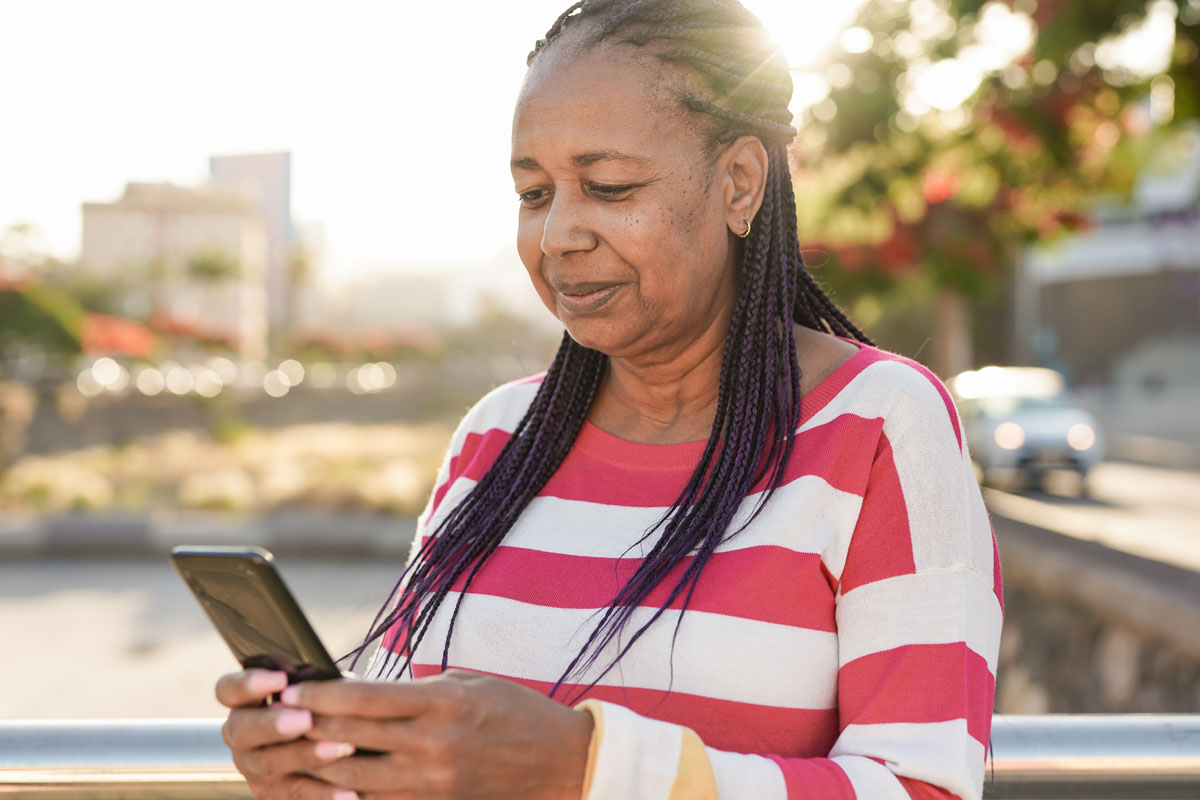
581, 99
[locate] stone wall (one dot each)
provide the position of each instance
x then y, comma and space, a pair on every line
1090, 629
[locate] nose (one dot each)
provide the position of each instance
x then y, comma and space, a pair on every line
565, 227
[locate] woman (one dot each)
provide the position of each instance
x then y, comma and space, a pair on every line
723, 547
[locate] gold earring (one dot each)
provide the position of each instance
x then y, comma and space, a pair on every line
747, 233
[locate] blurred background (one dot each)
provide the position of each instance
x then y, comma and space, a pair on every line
256, 260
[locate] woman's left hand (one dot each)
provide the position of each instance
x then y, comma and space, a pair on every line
455, 735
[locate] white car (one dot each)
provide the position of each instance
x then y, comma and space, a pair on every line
1022, 422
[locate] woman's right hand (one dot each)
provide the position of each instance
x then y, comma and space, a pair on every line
268, 742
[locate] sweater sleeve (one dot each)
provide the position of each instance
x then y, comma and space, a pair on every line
918, 618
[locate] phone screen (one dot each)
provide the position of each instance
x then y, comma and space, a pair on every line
253, 611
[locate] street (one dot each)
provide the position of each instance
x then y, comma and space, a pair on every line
1151, 512
124, 638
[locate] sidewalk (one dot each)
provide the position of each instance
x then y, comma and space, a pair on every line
291, 533
1153, 450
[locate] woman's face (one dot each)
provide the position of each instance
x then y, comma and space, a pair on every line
622, 226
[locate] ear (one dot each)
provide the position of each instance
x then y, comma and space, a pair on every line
743, 172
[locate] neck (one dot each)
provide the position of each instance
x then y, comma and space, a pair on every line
664, 397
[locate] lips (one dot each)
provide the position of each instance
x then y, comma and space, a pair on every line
581, 298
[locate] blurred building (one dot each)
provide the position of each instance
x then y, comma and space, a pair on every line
439, 296
380, 302
1117, 307
194, 256
266, 178
1095, 300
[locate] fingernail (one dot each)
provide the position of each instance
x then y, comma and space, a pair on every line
328, 751
290, 696
345, 794
265, 683
294, 721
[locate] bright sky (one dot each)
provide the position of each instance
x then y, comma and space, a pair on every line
397, 114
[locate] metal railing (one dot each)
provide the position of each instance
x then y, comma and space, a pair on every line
1033, 757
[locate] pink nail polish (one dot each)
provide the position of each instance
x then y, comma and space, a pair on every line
345, 794
264, 683
328, 751
294, 721
290, 696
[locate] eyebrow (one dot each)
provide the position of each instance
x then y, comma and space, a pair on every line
583, 159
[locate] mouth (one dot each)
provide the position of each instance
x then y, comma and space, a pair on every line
583, 298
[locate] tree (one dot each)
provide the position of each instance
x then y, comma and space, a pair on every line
955, 132
39, 321
212, 266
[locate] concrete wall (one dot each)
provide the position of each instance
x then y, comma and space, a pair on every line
1091, 629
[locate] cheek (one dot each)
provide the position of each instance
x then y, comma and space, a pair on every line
529, 249
529, 239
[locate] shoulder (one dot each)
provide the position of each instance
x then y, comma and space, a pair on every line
481, 436
904, 394
502, 408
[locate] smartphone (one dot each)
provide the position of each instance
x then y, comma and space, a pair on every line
251, 607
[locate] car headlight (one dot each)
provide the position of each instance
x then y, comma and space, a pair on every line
1009, 435
1081, 436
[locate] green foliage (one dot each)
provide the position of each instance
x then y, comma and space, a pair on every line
890, 188
42, 318
958, 132
213, 266
82, 285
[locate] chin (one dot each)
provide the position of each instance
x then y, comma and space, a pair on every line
593, 336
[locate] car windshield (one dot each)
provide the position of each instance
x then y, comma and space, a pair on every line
1004, 405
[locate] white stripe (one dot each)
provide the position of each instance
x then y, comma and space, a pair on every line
927, 608
940, 753
805, 516
715, 655
870, 779
742, 775
638, 757
503, 407
945, 510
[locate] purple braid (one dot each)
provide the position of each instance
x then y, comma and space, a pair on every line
743, 89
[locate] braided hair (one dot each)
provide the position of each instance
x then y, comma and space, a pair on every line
740, 87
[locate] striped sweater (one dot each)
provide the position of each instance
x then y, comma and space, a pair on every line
843, 645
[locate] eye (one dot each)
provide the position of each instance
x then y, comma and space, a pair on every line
608, 191
532, 197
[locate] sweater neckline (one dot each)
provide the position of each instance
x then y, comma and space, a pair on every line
604, 446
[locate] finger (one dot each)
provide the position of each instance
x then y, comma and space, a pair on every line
367, 699
369, 775
248, 728
277, 761
393, 736
300, 787
249, 687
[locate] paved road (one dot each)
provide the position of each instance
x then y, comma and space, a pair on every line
1148, 511
123, 638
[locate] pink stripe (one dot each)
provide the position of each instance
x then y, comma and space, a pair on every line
766, 583
920, 790
830, 451
478, 452
723, 724
919, 683
833, 452
997, 579
814, 777
881, 545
